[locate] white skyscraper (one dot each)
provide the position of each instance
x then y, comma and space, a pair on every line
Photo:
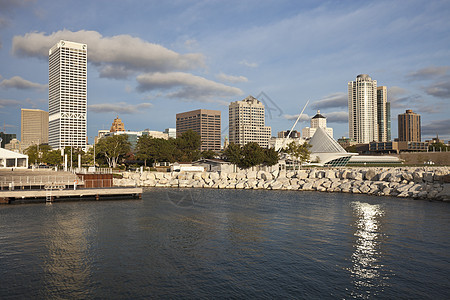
247, 122
67, 101
362, 109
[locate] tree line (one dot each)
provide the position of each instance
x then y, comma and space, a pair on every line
116, 149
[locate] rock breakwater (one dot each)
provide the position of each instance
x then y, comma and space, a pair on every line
407, 182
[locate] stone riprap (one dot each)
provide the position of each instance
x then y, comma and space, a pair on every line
407, 182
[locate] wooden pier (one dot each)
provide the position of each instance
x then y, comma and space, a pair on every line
54, 195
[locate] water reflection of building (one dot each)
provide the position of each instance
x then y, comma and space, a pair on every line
367, 270
67, 262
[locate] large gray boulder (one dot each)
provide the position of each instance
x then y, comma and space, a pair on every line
308, 186
330, 174
428, 177
266, 176
371, 174
302, 174
364, 189
444, 195
407, 176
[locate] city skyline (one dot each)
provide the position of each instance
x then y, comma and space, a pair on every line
182, 56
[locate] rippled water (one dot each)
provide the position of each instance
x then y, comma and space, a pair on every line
202, 243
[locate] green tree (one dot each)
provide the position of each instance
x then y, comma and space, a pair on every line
144, 149
113, 148
233, 154
37, 153
438, 147
252, 155
188, 145
32, 153
208, 154
299, 152
53, 157
270, 157
351, 149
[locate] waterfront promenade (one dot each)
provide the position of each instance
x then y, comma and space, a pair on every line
37, 178
25, 185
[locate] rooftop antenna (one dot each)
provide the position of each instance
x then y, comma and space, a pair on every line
285, 139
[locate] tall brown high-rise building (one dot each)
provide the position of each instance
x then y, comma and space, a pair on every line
34, 127
206, 123
409, 127
117, 125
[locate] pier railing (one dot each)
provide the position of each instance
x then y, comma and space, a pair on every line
92, 170
21, 182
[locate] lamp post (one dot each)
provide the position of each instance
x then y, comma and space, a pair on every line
71, 150
94, 150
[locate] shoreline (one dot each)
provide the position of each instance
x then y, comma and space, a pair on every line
427, 183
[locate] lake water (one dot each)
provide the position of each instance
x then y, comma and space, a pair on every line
204, 243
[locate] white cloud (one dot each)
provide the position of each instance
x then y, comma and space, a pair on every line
428, 73
437, 127
121, 53
190, 43
7, 102
21, 84
304, 117
186, 86
231, 78
440, 89
399, 97
332, 117
337, 117
248, 64
333, 100
121, 107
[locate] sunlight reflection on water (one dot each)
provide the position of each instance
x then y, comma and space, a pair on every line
366, 267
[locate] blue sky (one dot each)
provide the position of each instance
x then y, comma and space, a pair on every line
149, 60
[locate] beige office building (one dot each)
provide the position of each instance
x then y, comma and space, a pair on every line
206, 123
409, 127
247, 122
34, 127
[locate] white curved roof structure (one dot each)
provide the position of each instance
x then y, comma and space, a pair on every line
322, 142
326, 151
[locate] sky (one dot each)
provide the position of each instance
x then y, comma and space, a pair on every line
149, 60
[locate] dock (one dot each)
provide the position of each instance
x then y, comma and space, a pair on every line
55, 195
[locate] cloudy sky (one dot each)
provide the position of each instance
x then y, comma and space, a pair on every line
149, 60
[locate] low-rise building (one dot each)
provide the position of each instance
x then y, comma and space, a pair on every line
171, 132
346, 142
397, 146
15, 146
279, 143
5, 138
294, 134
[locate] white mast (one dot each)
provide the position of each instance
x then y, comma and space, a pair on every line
285, 139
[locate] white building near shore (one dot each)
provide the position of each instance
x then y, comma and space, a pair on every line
10, 159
